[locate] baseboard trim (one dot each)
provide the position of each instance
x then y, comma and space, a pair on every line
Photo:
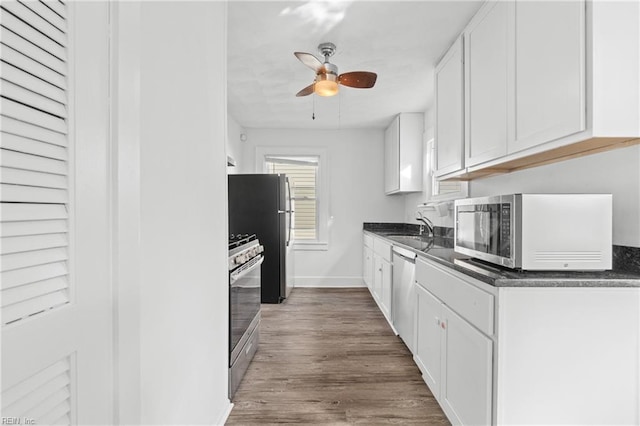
225, 414
329, 282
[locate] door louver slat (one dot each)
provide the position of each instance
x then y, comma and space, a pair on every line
47, 14
24, 129
17, 212
32, 242
34, 174
27, 48
44, 397
32, 146
11, 22
32, 258
34, 68
19, 160
30, 84
46, 28
56, 6
32, 115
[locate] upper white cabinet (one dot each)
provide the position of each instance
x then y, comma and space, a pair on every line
449, 98
403, 153
549, 71
486, 42
544, 81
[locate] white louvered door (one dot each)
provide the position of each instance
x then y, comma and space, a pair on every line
54, 355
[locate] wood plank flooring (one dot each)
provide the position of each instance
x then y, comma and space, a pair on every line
328, 356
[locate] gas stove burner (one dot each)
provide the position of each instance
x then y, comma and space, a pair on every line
236, 240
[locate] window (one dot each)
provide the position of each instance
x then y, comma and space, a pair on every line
440, 190
307, 167
303, 176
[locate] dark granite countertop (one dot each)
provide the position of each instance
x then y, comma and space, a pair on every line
440, 250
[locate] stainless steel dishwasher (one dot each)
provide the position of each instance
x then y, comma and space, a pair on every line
404, 275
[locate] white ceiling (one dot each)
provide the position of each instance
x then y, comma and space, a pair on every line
400, 41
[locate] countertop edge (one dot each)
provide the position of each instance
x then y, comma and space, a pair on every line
496, 279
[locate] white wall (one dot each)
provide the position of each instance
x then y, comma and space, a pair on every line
234, 144
356, 195
616, 172
183, 216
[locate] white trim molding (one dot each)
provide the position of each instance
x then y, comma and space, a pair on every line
330, 282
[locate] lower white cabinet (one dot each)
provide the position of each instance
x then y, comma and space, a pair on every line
382, 284
466, 371
527, 355
377, 272
367, 266
456, 361
428, 338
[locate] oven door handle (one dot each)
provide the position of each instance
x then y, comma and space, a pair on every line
235, 276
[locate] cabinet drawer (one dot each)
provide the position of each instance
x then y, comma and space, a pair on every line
368, 240
382, 248
468, 301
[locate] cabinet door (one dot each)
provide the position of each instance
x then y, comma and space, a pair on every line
377, 276
392, 157
550, 71
385, 297
428, 320
449, 111
486, 42
466, 372
367, 266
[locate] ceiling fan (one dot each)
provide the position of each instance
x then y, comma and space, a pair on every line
327, 77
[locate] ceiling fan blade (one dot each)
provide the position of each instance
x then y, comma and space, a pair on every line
306, 91
358, 79
309, 60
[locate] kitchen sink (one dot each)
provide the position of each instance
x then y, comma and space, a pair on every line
414, 241
417, 242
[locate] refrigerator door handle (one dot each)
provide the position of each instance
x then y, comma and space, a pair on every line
289, 211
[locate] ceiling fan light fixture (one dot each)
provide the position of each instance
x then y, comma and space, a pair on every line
326, 85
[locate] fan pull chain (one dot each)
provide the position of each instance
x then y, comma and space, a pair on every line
339, 111
313, 113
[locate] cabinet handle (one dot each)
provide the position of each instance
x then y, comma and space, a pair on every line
437, 320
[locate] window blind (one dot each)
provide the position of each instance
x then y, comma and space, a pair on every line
34, 170
302, 174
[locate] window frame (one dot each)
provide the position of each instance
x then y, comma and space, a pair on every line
263, 153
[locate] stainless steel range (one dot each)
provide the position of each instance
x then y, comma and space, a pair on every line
245, 258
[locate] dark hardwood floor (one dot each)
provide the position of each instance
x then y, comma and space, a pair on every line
328, 356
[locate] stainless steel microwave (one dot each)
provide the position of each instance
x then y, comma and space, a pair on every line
550, 232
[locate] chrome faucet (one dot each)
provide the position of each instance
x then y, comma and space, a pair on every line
425, 223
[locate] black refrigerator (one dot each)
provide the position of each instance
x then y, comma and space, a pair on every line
261, 204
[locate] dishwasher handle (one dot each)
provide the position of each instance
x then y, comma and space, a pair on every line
407, 255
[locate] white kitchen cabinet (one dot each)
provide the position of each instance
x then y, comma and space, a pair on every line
403, 153
449, 101
487, 352
487, 91
367, 266
377, 272
382, 285
544, 82
549, 71
467, 368
454, 356
428, 336
392, 157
